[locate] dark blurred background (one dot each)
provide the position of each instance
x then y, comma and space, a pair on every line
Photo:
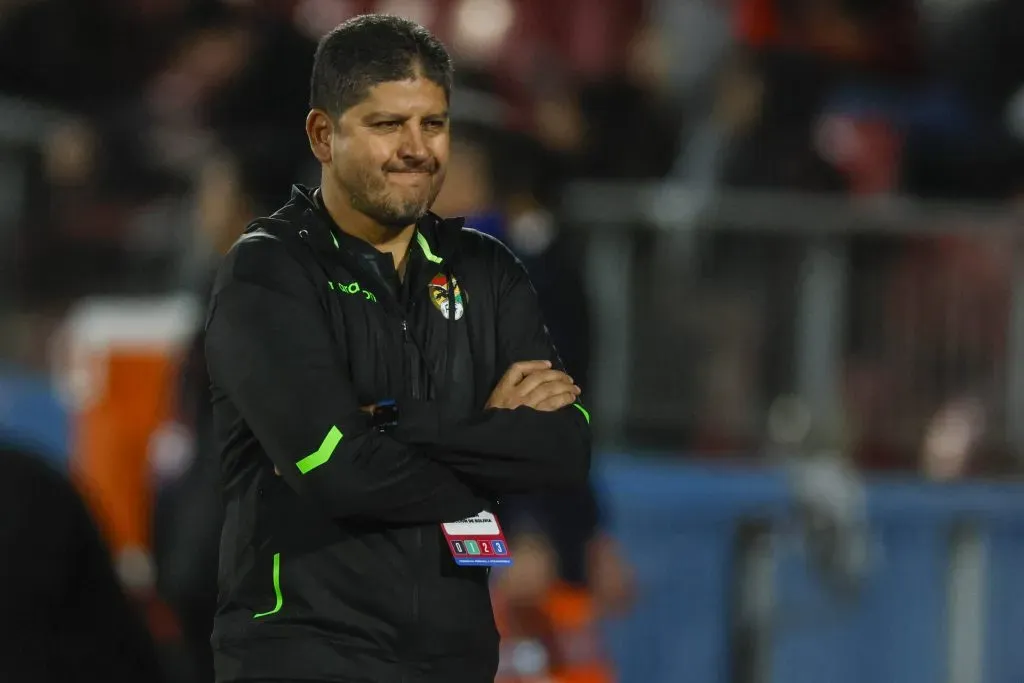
764, 232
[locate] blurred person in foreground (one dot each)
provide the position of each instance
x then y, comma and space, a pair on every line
380, 378
67, 617
569, 571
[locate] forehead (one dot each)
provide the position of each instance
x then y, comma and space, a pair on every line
411, 97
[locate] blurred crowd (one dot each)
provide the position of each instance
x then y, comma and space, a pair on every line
177, 121
180, 118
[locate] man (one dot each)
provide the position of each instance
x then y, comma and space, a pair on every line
376, 372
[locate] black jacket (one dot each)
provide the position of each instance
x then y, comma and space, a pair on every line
337, 569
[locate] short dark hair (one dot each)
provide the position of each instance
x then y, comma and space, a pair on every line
371, 49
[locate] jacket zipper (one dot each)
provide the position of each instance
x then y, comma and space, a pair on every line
411, 353
420, 384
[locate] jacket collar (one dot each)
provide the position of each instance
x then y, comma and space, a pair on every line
436, 238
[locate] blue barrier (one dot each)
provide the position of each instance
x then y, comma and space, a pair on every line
678, 521
31, 416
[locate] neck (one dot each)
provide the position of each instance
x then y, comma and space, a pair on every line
384, 239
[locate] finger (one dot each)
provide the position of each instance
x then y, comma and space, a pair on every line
536, 379
556, 402
546, 391
517, 371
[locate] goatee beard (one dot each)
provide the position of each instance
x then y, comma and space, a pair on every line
391, 217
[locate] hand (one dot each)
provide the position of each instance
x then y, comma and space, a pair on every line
535, 385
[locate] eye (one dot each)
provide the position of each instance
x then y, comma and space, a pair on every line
434, 125
385, 126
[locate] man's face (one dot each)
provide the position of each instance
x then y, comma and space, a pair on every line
389, 152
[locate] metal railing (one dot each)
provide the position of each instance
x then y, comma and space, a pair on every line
827, 298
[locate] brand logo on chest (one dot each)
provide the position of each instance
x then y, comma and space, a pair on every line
352, 288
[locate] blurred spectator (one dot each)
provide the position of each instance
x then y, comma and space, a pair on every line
926, 377
84, 57
799, 52
979, 61
68, 617
208, 70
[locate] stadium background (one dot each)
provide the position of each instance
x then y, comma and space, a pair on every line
779, 237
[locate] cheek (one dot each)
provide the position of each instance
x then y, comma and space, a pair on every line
376, 151
350, 164
440, 147
442, 173
345, 152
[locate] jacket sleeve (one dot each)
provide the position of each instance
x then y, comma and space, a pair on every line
270, 350
521, 450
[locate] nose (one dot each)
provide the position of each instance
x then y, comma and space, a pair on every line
413, 149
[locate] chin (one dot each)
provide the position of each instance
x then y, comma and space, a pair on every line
410, 213
399, 221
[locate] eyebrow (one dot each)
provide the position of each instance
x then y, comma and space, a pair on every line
391, 116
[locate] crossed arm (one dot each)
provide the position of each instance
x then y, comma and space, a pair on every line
529, 436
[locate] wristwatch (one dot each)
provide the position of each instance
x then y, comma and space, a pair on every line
384, 416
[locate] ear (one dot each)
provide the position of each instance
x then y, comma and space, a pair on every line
320, 130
